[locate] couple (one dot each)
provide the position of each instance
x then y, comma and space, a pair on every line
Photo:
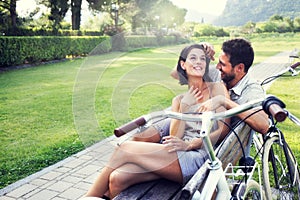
181, 153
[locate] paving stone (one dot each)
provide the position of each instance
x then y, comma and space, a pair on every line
83, 185
6, 198
58, 198
63, 169
60, 186
72, 179
30, 194
51, 175
22, 190
44, 195
74, 163
72, 193
88, 170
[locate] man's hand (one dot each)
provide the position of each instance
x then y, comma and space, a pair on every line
209, 50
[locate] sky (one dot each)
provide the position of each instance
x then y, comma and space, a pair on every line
213, 7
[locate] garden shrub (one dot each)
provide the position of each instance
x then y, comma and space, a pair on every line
18, 50
22, 50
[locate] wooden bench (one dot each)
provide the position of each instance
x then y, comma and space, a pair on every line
229, 151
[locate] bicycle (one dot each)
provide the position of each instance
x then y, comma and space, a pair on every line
242, 184
277, 158
281, 171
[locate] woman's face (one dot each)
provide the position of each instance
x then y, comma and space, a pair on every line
195, 63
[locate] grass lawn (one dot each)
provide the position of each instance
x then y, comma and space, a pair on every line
51, 111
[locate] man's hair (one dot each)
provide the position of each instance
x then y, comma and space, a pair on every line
239, 51
183, 79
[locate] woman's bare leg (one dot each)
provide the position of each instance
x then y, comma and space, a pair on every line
151, 157
148, 135
122, 178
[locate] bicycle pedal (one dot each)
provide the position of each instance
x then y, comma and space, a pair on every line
247, 163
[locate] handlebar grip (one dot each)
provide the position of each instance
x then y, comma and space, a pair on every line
295, 65
277, 112
274, 107
129, 126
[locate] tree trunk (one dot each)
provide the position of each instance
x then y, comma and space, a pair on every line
13, 13
76, 14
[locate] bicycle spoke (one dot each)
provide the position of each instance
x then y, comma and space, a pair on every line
280, 179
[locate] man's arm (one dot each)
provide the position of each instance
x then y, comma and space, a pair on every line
258, 122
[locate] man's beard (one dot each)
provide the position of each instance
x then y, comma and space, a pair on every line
228, 77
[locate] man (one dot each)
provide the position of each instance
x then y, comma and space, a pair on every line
234, 62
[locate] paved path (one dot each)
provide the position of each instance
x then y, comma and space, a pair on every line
70, 178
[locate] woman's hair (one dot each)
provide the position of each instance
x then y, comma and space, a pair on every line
183, 79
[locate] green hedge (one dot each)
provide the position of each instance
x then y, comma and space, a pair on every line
28, 50
21, 50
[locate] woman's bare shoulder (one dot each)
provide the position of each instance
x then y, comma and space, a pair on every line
217, 88
215, 85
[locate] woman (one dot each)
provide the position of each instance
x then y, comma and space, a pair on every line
134, 162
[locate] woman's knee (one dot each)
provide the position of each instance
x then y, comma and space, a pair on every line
118, 181
122, 149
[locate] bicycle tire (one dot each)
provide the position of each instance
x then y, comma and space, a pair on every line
253, 191
279, 168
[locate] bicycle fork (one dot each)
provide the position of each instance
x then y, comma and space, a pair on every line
216, 176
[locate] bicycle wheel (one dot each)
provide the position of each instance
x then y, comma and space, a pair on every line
280, 171
253, 191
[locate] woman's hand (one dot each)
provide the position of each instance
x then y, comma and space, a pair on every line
191, 97
175, 144
212, 104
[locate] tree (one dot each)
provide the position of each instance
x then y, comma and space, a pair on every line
76, 14
297, 24
161, 14
11, 7
58, 10
115, 8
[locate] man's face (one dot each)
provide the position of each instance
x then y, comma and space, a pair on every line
226, 69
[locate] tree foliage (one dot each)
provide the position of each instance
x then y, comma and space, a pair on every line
58, 10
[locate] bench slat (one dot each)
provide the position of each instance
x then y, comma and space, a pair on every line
164, 189
136, 191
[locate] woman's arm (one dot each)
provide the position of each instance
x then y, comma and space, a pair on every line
217, 89
216, 136
177, 126
182, 104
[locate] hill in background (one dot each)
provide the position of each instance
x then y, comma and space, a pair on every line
239, 12
198, 16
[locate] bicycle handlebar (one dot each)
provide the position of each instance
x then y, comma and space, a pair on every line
130, 126
271, 105
274, 107
295, 65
